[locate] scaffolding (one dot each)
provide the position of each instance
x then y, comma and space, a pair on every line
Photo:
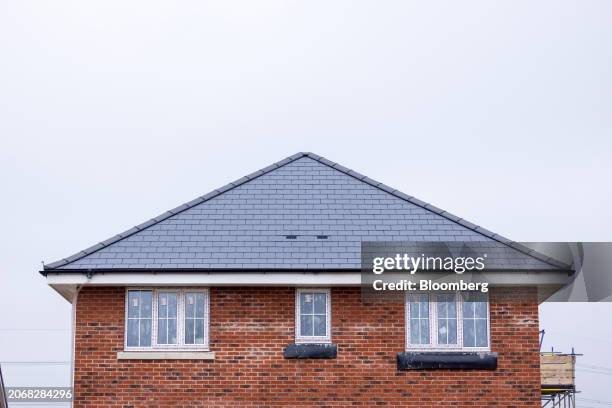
557, 378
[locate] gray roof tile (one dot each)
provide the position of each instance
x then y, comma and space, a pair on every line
244, 224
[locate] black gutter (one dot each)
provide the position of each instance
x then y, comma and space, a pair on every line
46, 272
252, 270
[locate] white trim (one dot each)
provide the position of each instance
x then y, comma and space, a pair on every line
180, 344
165, 355
300, 279
433, 326
299, 339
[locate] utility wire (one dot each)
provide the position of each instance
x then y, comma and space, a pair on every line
594, 401
594, 367
35, 362
35, 330
594, 372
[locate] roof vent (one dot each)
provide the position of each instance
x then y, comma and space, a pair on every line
322, 236
291, 236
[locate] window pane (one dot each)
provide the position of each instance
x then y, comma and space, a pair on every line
189, 331
414, 309
132, 333
419, 307
481, 333
162, 305
447, 331
172, 302
452, 331
139, 310
319, 303
166, 317
452, 307
199, 331
414, 331
447, 319
166, 304
475, 323
469, 334
133, 303
480, 310
468, 309
146, 299
199, 305
424, 307
442, 307
189, 305
194, 319
424, 331
145, 332
306, 301
171, 331
319, 325
419, 319
306, 328
162, 332
443, 331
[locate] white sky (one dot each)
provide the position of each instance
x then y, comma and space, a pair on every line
112, 112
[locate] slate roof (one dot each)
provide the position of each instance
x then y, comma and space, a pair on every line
304, 212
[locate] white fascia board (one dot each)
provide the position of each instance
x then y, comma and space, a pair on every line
208, 279
67, 283
512, 278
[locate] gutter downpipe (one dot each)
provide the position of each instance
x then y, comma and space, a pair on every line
73, 340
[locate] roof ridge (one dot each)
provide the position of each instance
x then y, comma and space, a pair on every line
338, 167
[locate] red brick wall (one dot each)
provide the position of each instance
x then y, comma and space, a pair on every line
249, 329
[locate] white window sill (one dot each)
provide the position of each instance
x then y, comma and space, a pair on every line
313, 341
447, 350
166, 355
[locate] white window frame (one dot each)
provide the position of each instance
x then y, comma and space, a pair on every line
433, 325
313, 339
180, 326
179, 297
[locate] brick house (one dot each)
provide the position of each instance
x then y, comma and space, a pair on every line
250, 296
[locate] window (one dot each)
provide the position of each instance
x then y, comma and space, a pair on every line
194, 318
475, 322
167, 316
168, 319
447, 322
312, 315
419, 319
446, 306
139, 314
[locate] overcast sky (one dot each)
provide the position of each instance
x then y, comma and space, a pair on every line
112, 112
